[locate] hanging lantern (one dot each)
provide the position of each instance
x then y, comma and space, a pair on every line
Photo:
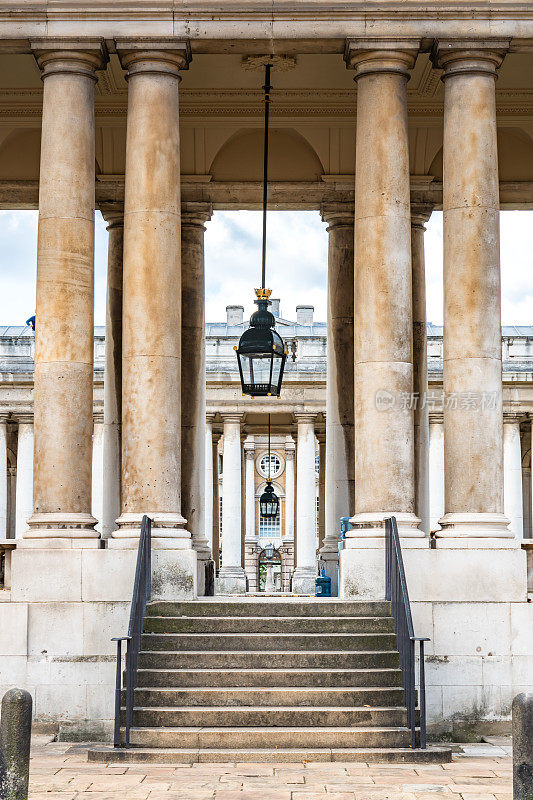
261, 352
269, 550
269, 502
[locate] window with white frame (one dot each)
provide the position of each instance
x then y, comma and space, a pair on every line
276, 466
270, 527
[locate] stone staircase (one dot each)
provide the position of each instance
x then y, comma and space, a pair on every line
269, 680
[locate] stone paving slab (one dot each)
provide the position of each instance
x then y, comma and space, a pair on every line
59, 771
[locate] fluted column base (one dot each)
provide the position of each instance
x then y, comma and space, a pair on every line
372, 525
303, 581
168, 532
231, 580
484, 529
61, 531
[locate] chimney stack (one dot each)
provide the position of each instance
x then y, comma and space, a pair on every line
234, 315
304, 315
274, 307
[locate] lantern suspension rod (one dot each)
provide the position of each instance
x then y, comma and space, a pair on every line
267, 87
269, 447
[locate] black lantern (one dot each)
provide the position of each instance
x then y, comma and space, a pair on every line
269, 502
269, 550
261, 353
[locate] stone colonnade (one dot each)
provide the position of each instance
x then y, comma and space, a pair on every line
300, 483
155, 309
393, 436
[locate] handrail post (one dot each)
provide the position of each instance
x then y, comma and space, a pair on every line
396, 592
422, 698
118, 689
387, 559
141, 595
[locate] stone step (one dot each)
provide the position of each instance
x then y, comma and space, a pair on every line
284, 696
303, 659
393, 755
276, 716
266, 607
268, 677
258, 641
262, 625
262, 736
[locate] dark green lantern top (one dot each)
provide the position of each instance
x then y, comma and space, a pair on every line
261, 352
269, 502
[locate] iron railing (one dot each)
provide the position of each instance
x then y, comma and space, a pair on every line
142, 589
396, 592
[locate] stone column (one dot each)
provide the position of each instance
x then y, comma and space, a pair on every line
321, 437
64, 339
113, 373
303, 579
249, 488
290, 449
383, 371
232, 578
473, 437
151, 345
193, 378
98, 481
436, 470
340, 451
209, 487
3, 476
25, 486
512, 474
419, 216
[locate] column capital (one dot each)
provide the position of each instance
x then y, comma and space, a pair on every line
98, 418
370, 56
5, 416
195, 215
72, 56
153, 56
512, 417
436, 418
113, 213
210, 417
305, 416
24, 419
337, 215
420, 214
249, 447
469, 57
233, 416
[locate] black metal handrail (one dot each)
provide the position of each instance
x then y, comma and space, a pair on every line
142, 590
396, 592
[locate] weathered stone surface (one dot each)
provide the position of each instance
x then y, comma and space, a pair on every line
15, 734
523, 747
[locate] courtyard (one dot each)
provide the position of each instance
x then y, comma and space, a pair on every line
60, 771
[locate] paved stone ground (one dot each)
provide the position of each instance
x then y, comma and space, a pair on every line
60, 771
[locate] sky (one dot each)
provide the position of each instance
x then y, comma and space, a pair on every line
296, 264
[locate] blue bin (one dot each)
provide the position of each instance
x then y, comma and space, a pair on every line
323, 586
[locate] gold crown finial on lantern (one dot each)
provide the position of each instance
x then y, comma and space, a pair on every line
263, 294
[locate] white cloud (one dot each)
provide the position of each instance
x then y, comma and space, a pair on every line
297, 246
296, 263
